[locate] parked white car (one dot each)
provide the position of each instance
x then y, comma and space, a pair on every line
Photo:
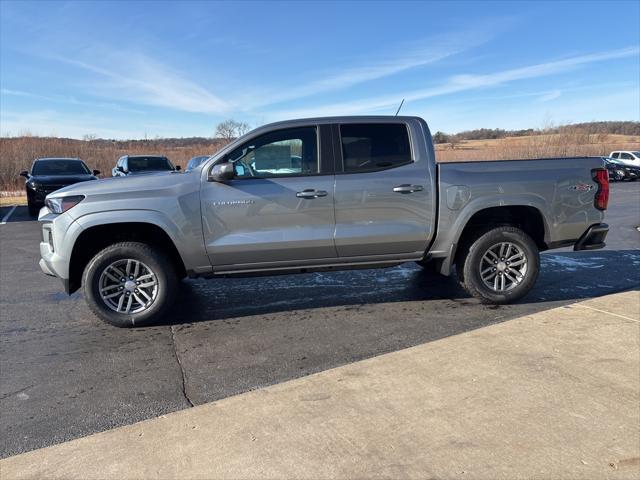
629, 157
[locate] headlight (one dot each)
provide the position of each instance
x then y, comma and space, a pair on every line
62, 204
33, 185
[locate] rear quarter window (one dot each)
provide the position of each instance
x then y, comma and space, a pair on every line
374, 146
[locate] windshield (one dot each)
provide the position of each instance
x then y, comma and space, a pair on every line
60, 167
143, 164
195, 161
637, 154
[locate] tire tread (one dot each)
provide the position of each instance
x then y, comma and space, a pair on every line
142, 249
470, 283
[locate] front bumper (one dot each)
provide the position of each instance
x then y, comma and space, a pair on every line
593, 238
51, 263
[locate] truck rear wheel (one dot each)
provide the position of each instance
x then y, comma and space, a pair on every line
499, 266
130, 284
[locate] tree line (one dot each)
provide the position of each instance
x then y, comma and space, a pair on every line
588, 128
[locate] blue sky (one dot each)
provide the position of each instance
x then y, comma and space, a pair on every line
127, 69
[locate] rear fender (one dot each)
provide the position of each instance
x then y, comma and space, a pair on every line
453, 222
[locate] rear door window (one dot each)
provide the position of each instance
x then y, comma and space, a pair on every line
374, 146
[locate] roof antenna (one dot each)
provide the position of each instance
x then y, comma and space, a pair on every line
398, 111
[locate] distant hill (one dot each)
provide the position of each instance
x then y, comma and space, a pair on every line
589, 128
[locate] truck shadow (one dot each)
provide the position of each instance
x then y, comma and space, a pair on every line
564, 277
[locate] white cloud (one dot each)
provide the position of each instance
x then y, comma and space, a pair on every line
431, 50
57, 124
69, 100
123, 75
139, 79
458, 83
552, 95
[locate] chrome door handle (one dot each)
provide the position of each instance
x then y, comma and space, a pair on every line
406, 188
311, 193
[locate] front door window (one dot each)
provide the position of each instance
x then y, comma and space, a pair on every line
291, 152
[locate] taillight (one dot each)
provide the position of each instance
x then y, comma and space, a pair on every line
601, 176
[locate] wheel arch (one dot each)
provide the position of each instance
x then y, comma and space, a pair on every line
97, 237
525, 217
530, 218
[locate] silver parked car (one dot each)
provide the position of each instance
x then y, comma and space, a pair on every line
142, 164
320, 194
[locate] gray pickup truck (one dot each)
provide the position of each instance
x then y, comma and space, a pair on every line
316, 195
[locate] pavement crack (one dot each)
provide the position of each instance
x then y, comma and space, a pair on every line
179, 362
16, 392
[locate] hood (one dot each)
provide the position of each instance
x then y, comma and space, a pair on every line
60, 179
129, 185
152, 172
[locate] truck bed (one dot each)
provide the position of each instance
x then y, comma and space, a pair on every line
561, 189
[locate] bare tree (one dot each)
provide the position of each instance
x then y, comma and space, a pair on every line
243, 127
231, 129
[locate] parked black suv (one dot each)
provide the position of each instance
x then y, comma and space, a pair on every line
50, 174
619, 170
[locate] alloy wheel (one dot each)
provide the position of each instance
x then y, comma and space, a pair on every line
128, 286
503, 266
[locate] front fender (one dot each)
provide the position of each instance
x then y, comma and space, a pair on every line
186, 237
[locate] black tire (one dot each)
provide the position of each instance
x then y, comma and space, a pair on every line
430, 266
33, 209
156, 260
469, 262
31, 205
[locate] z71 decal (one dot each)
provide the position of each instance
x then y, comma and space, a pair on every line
581, 187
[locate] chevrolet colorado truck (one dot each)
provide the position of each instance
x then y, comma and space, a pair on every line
316, 195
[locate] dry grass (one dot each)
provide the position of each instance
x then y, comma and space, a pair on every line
17, 154
15, 200
536, 146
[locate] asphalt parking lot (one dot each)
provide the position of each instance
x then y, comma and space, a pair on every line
64, 374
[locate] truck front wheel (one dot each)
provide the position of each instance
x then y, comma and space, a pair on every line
130, 284
499, 266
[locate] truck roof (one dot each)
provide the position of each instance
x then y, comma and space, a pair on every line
341, 119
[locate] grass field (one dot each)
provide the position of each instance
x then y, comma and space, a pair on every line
536, 146
13, 200
18, 153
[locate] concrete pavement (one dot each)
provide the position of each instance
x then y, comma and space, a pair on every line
554, 394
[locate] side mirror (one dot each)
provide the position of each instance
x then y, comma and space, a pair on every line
121, 169
24, 174
96, 172
178, 167
222, 172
